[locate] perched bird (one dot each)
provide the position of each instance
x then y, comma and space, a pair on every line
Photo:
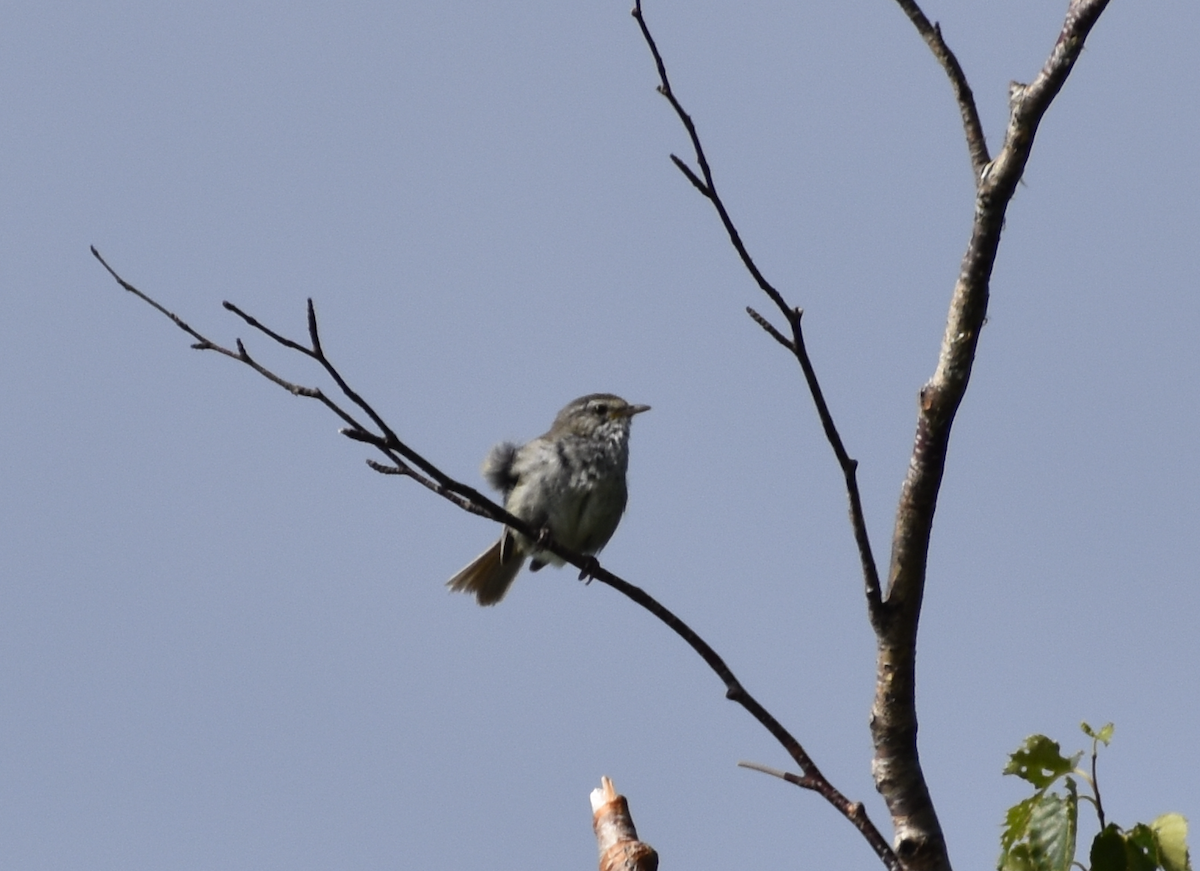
570, 482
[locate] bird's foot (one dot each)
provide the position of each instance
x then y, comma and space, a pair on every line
590, 567
540, 542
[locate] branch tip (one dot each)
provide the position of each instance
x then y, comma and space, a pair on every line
313, 336
358, 435
386, 470
931, 33
764, 769
770, 329
691, 176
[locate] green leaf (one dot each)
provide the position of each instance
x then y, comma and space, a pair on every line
1052, 829
1170, 832
1039, 834
1016, 825
1141, 848
1040, 761
1016, 859
1108, 850
1104, 736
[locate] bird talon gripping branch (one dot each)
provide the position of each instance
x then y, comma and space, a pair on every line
588, 572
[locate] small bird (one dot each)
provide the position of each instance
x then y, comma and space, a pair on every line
569, 482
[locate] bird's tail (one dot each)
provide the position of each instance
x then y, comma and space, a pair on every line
490, 574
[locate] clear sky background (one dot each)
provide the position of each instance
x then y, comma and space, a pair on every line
225, 642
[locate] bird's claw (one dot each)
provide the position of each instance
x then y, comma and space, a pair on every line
588, 572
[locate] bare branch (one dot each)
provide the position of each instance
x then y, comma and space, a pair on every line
896, 768
692, 177
853, 811
770, 328
919, 840
849, 466
708, 188
734, 691
932, 34
252, 321
386, 470
388, 443
942, 395
795, 779
705, 186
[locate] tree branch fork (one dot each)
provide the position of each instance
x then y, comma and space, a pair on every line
894, 612
918, 839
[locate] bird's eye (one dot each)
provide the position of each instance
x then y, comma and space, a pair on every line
601, 409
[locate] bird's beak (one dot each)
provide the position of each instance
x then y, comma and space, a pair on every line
631, 410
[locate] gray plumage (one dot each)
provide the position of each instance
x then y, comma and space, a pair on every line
570, 481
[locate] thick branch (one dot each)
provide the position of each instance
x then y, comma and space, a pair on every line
897, 771
397, 452
919, 841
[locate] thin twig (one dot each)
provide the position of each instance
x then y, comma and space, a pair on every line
795, 779
813, 778
705, 186
470, 500
386, 441
704, 183
1096, 783
708, 188
972, 128
770, 328
848, 465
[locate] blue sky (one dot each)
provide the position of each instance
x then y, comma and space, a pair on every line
225, 642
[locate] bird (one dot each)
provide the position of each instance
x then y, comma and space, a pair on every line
569, 483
